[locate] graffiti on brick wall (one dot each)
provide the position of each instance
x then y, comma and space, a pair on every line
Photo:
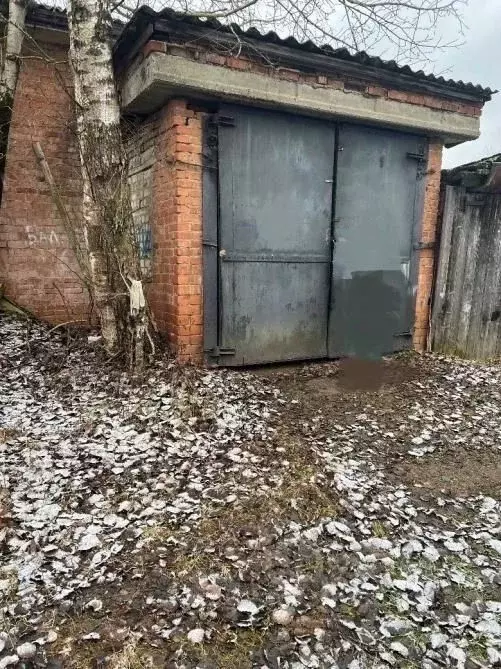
145, 241
43, 239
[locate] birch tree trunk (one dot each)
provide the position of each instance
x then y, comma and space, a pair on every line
13, 45
14, 32
106, 207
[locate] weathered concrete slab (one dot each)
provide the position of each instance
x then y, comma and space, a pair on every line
161, 76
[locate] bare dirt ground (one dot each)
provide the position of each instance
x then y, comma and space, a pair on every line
325, 515
339, 391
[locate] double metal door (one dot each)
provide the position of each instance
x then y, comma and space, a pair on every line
312, 252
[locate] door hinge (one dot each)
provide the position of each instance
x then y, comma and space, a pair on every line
420, 157
222, 119
217, 351
420, 246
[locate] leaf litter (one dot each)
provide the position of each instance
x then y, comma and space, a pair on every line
208, 518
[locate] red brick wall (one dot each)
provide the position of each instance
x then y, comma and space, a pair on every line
428, 236
36, 265
175, 294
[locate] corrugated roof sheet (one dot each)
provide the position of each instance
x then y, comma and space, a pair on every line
482, 175
359, 57
481, 166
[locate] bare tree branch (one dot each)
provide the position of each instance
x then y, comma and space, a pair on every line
406, 29
225, 13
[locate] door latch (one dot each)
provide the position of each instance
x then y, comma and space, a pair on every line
222, 119
216, 351
420, 157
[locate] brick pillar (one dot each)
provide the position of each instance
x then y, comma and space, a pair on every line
175, 294
428, 234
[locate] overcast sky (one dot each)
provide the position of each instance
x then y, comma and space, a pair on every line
478, 61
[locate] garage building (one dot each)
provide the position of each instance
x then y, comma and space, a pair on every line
285, 194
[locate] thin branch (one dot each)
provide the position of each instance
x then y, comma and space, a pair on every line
26, 34
353, 35
223, 13
403, 5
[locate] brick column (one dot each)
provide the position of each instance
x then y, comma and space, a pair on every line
428, 235
176, 292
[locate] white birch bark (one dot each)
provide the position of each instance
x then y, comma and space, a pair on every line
13, 46
107, 212
96, 111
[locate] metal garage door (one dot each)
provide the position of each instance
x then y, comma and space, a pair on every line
275, 204
283, 280
378, 204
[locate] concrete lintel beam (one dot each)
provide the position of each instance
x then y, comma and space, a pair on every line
161, 76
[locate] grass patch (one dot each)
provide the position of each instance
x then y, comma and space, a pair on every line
229, 649
404, 566
187, 565
348, 610
318, 563
298, 497
7, 433
77, 653
9, 576
477, 648
130, 657
158, 533
379, 530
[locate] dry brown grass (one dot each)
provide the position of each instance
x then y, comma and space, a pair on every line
5, 508
7, 433
228, 648
299, 497
132, 656
75, 653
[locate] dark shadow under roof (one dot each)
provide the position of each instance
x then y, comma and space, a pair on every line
40, 15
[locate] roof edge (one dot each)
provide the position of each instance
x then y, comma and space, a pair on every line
483, 174
168, 22
146, 23
55, 18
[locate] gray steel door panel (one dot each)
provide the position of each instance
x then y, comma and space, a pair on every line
275, 194
210, 246
377, 213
